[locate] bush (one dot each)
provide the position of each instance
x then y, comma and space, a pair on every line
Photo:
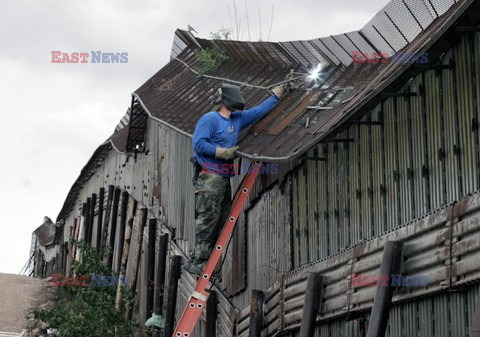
88, 310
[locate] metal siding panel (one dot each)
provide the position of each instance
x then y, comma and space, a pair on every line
333, 230
390, 163
418, 148
466, 115
355, 186
435, 117
323, 250
343, 196
476, 81
403, 141
311, 204
296, 220
450, 119
377, 174
365, 158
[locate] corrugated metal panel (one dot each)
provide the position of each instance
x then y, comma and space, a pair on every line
337, 49
404, 197
466, 146
377, 173
427, 253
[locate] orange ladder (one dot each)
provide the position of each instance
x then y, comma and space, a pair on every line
199, 297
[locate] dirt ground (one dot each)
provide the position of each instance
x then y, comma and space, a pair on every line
17, 295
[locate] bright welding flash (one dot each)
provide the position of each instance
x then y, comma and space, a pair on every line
315, 73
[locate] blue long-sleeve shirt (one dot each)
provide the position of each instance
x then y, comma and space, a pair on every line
214, 130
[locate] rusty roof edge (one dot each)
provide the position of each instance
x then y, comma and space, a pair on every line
105, 144
158, 119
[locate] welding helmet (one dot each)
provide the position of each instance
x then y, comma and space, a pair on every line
231, 96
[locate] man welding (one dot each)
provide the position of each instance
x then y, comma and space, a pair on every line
214, 145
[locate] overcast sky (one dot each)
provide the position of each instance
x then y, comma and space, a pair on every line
53, 116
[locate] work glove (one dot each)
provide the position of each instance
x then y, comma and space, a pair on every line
280, 90
226, 153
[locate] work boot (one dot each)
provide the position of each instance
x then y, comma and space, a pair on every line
195, 267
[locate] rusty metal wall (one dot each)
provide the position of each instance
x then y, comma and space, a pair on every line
424, 155
445, 315
442, 246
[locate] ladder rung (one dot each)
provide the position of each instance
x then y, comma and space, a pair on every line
199, 296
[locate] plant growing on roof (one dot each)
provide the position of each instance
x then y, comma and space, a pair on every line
212, 58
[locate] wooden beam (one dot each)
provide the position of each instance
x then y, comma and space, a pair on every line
359, 122
132, 205
142, 221
256, 313
90, 220
467, 29
123, 221
113, 227
398, 94
391, 264
337, 140
152, 231
211, 315
175, 265
110, 192
311, 305
160, 274
101, 197
86, 215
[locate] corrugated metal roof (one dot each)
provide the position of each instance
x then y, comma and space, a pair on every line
178, 97
45, 232
117, 140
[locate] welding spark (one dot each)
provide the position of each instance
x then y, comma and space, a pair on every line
315, 73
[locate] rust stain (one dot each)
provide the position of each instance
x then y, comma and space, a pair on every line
309, 100
459, 208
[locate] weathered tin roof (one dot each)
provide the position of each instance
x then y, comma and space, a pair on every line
45, 232
177, 97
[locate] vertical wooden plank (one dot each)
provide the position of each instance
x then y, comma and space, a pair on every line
211, 315
256, 313
101, 196
93, 205
86, 214
121, 234
132, 205
103, 240
175, 264
150, 273
311, 305
136, 257
113, 227
391, 264
160, 274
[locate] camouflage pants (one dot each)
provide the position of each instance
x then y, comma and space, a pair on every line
212, 206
